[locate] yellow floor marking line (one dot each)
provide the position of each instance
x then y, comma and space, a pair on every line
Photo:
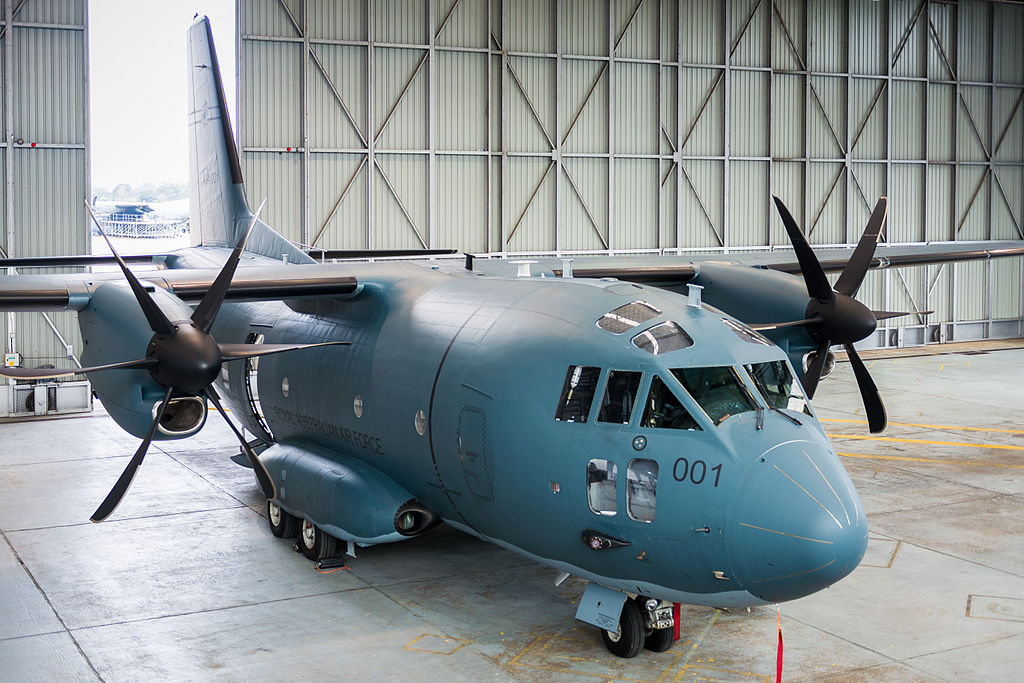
696, 643
925, 441
904, 458
911, 424
543, 642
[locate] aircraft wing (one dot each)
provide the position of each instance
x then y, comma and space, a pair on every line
660, 270
72, 291
61, 292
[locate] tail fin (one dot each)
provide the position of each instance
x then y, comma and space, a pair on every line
218, 209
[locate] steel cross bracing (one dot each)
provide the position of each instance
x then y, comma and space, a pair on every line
543, 94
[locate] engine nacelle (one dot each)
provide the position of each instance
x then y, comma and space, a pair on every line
114, 330
344, 496
756, 295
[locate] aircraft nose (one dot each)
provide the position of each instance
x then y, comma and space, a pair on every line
799, 525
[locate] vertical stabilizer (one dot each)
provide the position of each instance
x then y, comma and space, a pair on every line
217, 208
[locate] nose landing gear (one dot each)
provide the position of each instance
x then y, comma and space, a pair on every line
644, 623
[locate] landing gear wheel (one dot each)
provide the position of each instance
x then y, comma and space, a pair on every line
629, 639
660, 639
282, 523
314, 543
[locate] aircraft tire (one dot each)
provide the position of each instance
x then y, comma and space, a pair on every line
314, 543
660, 639
629, 639
282, 523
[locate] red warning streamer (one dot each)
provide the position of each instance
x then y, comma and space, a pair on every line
778, 657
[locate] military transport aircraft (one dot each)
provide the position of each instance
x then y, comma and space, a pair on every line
608, 418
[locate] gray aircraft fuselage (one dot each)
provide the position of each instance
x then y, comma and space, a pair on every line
458, 377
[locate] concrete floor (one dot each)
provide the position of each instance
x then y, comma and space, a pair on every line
185, 582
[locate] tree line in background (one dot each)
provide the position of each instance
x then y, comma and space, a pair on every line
147, 192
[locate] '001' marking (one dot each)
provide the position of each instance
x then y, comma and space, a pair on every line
696, 473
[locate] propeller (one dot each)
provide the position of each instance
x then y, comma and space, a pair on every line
833, 315
183, 358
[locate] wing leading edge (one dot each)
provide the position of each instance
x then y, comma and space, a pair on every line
62, 292
669, 270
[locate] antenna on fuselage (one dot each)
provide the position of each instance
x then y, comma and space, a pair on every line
694, 295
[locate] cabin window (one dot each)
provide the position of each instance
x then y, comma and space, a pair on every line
602, 479
577, 393
717, 390
664, 411
619, 397
662, 339
776, 383
625, 318
641, 486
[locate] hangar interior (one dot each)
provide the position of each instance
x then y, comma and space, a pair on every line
632, 126
614, 127
519, 127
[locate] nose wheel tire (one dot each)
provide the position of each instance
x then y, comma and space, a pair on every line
282, 523
628, 640
314, 543
660, 639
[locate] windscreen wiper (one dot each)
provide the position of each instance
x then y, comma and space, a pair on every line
760, 409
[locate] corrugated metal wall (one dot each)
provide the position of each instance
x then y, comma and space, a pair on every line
44, 165
566, 126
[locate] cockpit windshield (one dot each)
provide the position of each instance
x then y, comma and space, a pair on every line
718, 390
777, 385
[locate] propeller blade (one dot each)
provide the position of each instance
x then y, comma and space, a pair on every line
262, 476
207, 309
113, 498
51, 373
873, 405
158, 322
885, 315
813, 374
814, 320
814, 277
857, 267
237, 351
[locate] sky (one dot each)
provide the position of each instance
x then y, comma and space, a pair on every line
138, 88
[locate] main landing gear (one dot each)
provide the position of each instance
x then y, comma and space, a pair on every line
314, 543
644, 623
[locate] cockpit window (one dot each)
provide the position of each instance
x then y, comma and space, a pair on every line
662, 339
625, 318
718, 391
664, 411
577, 393
775, 382
619, 397
746, 333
